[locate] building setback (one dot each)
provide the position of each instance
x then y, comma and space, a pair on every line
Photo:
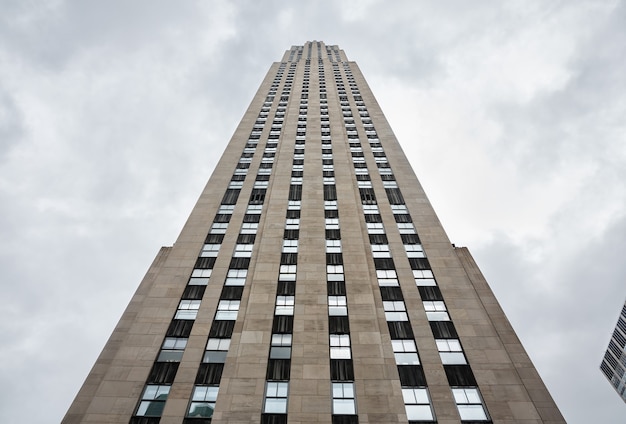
313, 283
614, 361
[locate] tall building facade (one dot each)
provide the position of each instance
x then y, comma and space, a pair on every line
614, 361
313, 283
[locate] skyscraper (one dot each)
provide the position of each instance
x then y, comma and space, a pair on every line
313, 283
614, 361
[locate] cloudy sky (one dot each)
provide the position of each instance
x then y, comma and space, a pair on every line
113, 114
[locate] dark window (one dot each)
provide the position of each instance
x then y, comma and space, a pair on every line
334, 259
443, 330
246, 238
400, 329
163, 373
214, 239
378, 239
419, 263
460, 375
338, 325
209, 373
328, 173
288, 258
244, 165
373, 217
336, 288
394, 195
327, 161
345, 419
384, 263
410, 239
295, 192
238, 178
230, 197
360, 177
257, 196
264, 165
330, 192
286, 288
222, 329
193, 292
262, 177
278, 369
179, 328
411, 375
402, 217
331, 214
283, 324
222, 217
252, 217
333, 235
291, 234
386, 177
368, 197
430, 293
239, 263
205, 263
341, 370
274, 419
297, 173
231, 292
292, 214
391, 293
145, 420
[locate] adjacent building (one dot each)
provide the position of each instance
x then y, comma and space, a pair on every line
313, 283
614, 361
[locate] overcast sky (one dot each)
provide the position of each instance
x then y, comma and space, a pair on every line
113, 114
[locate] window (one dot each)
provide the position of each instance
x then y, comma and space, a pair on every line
405, 352
243, 250
236, 277
343, 399
287, 273
375, 228
387, 277
200, 277
203, 401
249, 227
332, 223
330, 205
172, 349
406, 228
290, 246
380, 251
424, 277
417, 404
337, 306
254, 209
284, 305
469, 404
414, 251
395, 311
276, 397
436, 310
333, 246
340, 346
334, 272
227, 310
225, 209
216, 350
153, 401
450, 351
294, 205
219, 227
210, 250
187, 309
281, 346
292, 224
